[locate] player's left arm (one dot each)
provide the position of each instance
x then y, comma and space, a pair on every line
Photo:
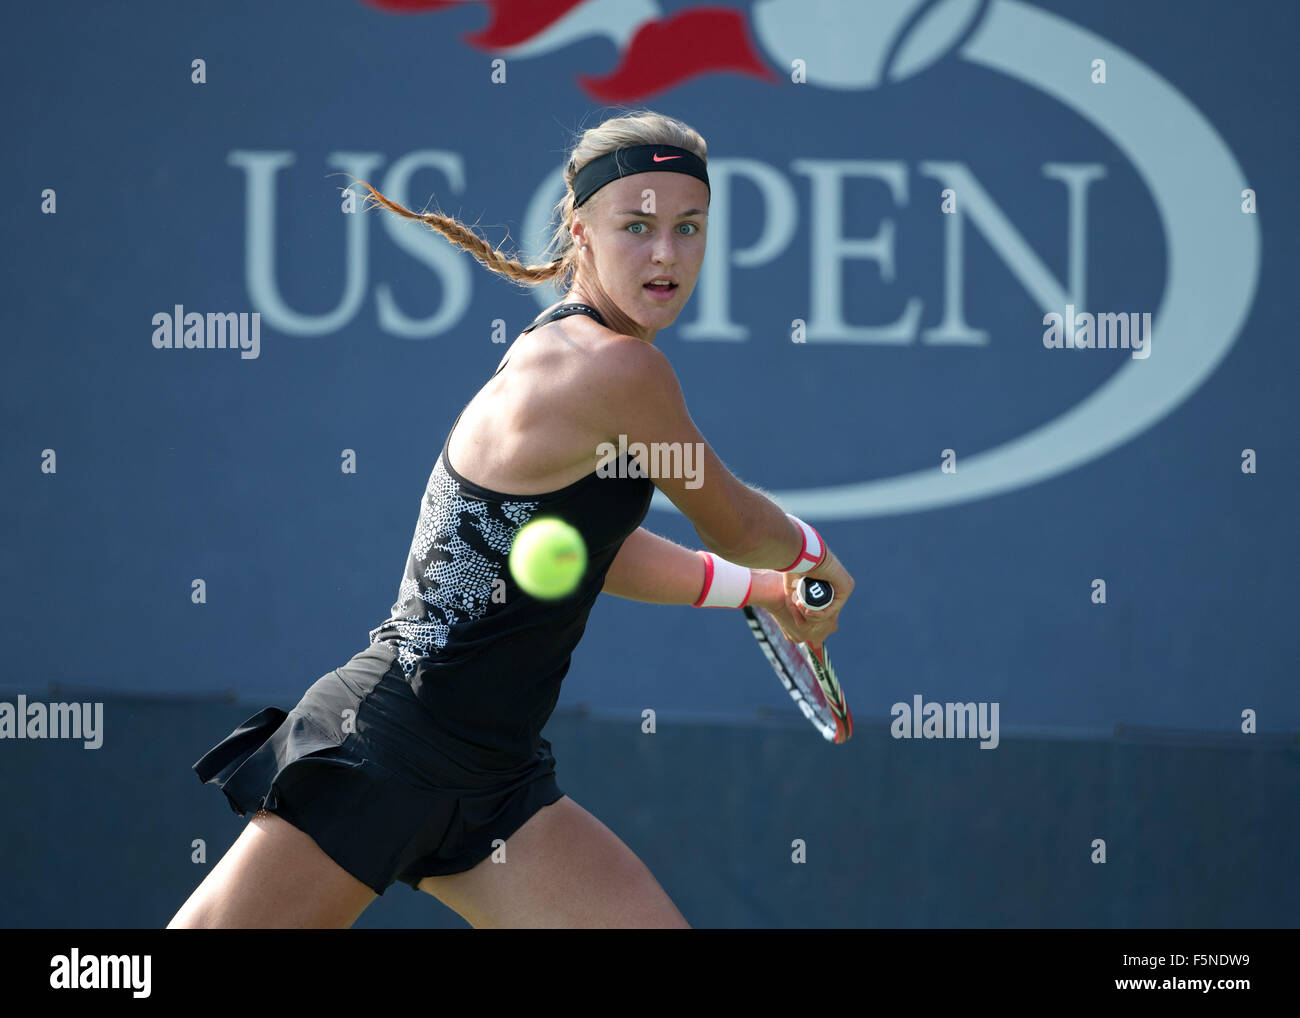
656, 570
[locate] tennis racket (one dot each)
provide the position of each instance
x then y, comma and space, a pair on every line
807, 674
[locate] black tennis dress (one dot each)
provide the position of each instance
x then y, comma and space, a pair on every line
413, 758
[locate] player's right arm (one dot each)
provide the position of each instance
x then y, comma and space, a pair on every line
643, 400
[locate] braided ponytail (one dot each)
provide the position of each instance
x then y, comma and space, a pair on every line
643, 127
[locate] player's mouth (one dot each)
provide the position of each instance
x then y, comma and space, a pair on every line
662, 288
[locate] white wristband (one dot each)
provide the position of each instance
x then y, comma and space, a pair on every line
812, 552
726, 585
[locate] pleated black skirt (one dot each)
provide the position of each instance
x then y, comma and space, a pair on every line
358, 766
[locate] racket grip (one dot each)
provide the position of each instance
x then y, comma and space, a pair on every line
814, 595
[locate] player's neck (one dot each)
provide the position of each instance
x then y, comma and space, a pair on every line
614, 317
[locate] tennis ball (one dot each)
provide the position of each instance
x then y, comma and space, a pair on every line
548, 558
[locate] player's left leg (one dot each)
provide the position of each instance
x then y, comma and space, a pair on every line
562, 869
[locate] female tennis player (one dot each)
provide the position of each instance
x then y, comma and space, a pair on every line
421, 759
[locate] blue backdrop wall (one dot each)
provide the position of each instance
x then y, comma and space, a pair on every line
901, 193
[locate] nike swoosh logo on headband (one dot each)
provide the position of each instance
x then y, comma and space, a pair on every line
659, 159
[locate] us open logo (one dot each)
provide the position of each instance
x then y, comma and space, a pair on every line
1211, 249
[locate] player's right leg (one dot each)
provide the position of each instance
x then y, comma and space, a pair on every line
274, 877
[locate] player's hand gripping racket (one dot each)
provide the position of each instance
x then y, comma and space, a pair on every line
806, 673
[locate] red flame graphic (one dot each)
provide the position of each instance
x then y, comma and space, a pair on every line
661, 53
666, 52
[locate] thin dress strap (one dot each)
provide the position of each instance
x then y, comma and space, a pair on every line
563, 311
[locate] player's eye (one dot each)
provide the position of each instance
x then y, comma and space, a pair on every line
694, 228
630, 225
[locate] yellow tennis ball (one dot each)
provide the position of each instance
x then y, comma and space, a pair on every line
548, 558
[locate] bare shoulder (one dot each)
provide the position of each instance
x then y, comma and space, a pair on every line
578, 361
638, 393
628, 366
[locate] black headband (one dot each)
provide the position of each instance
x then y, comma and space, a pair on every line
624, 162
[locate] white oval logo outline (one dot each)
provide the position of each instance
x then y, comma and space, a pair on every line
1213, 268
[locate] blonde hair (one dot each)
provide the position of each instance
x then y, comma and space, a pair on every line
637, 127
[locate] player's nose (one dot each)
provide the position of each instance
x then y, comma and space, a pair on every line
664, 248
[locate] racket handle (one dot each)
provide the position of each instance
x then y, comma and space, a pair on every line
814, 595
